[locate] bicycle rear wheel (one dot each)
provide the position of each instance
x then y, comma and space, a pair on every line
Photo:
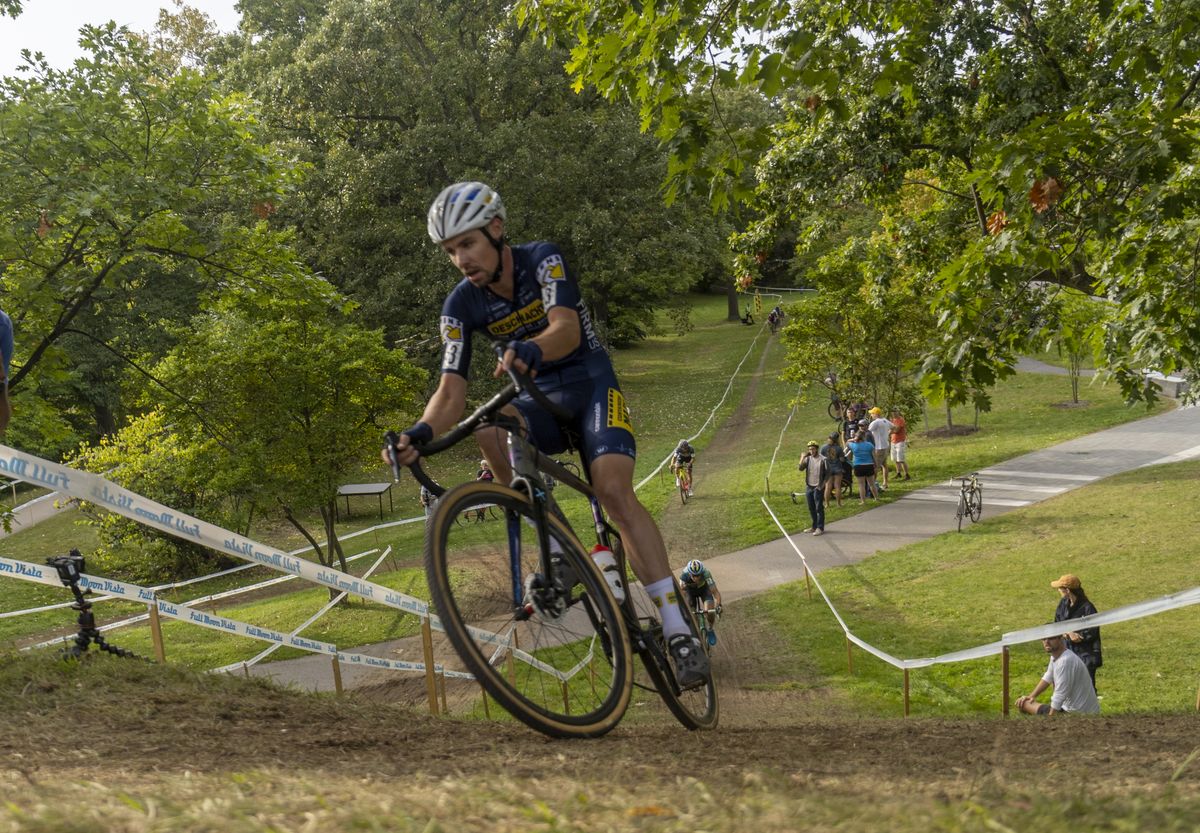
696, 709
569, 673
976, 504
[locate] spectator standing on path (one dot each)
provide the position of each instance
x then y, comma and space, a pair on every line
426, 501
881, 429
6, 350
900, 443
816, 472
1073, 691
835, 456
862, 452
1075, 604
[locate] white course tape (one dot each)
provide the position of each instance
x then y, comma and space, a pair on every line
143, 595
93, 488
1138, 610
711, 414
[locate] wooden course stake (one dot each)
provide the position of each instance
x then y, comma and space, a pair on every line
849, 654
1004, 679
160, 652
430, 682
906, 692
337, 675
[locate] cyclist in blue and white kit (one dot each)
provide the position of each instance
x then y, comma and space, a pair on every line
702, 593
525, 296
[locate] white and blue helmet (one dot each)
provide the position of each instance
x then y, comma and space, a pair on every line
462, 207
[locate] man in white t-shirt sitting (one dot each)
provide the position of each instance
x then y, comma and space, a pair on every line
1073, 690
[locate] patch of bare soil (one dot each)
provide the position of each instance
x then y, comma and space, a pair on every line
121, 716
1067, 406
687, 540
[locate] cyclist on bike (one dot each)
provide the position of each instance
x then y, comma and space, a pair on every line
702, 593
525, 296
684, 456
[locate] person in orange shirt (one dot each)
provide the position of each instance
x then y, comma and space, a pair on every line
900, 444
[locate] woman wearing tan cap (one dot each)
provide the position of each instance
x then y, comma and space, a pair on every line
1075, 604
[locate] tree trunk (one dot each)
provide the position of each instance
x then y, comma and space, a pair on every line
731, 297
331, 539
1074, 373
326, 560
949, 416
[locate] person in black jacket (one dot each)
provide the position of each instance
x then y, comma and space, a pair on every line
1075, 604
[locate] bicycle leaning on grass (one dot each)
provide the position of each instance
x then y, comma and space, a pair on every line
526, 607
970, 499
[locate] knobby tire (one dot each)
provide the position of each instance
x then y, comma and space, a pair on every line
470, 580
695, 709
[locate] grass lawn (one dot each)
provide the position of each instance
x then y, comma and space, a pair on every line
671, 383
1129, 538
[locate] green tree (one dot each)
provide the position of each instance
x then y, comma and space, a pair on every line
1060, 140
1080, 323
123, 176
390, 100
852, 338
276, 401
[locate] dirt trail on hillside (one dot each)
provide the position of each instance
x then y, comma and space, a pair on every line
686, 540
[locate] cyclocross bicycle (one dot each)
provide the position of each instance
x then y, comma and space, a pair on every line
525, 606
683, 482
970, 499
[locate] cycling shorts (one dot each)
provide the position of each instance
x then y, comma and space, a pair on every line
695, 595
590, 392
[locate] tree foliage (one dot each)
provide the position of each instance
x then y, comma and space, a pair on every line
1059, 139
390, 100
126, 182
275, 402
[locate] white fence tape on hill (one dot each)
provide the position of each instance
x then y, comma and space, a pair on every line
1139, 610
114, 498
91, 487
185, 613
711, 414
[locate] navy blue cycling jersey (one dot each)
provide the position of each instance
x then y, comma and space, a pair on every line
582, 382
540, 282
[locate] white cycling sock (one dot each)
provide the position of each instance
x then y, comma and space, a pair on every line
662, 593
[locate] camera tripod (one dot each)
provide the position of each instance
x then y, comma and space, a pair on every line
69, 568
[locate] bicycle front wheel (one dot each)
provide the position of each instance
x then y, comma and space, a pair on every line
547, 641
977, 504
962, 509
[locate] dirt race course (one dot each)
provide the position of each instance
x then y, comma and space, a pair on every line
128, 745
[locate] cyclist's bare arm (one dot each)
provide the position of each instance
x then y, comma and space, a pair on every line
559, 339
443, 410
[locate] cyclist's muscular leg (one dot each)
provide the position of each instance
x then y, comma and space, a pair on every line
612, 478
493, 443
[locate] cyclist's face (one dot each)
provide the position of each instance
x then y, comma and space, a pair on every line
473, 255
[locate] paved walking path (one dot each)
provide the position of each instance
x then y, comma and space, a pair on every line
917, 516
930, 511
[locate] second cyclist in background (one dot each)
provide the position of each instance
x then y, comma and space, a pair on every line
702, 594
681, 460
